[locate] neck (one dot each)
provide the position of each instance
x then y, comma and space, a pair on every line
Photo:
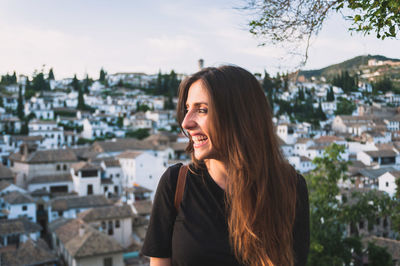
217, 171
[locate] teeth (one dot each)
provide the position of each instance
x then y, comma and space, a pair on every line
199, 138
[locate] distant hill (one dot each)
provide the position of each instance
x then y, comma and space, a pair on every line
353, 65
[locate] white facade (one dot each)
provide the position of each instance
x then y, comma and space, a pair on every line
86, 185
52, 134
144, 170
301, 164
387, 183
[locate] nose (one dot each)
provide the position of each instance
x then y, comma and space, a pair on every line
189, 122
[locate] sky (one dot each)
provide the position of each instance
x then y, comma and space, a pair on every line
81, 37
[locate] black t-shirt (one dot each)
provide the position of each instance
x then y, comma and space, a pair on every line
198, 234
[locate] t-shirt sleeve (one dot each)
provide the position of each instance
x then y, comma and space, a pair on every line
301, 229
158, 238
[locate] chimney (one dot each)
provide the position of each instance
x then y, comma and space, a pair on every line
24, 150
201, 64
81, 229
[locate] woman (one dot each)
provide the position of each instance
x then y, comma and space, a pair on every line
243, 204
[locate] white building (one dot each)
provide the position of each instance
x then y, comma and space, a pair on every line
19, 205
80, 244
115, 221
141, 168
387, 182
86, 178
53, 135
69, 206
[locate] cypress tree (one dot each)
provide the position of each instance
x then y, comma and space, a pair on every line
20, 106
267, 82
51, 74
75, 84
102, 77
81, 100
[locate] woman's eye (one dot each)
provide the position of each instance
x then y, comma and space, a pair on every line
203, 110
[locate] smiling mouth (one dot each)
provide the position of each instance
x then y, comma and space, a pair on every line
199, 140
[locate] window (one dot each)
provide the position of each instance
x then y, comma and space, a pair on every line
65, 167
110, 228
387, 184
24, 207
117, 175
103, 225
361, 224
58, 167
111, 175
117, 225
107, 262
89, 189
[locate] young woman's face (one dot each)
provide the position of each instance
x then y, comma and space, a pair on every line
196, 121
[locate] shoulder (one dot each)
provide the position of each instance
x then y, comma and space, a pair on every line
302, 204
301, 184
170, 176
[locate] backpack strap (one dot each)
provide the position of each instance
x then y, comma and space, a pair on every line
180, 186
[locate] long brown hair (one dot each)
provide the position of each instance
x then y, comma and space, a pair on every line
261, 188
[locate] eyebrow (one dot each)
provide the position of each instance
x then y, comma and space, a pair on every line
198, 103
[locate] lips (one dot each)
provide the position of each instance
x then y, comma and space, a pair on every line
199, 140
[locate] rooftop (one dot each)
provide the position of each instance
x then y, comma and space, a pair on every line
46, 156
105, 213
51, 179
75, 202
18, 226
30, 253
16, 197
81, 240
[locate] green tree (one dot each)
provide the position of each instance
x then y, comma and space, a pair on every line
382, 85
75, 84
120, 121
345, 107
173, 84
330, 96
279, 21
51, 74
267, 83
86, 83
102, 76
158, 86
331, 211
320, 115
24, 127
378, 256
39, 83
395, 217
20, 106
29, 91
328, 246
142, 107
140, 133
301, 95
81, 100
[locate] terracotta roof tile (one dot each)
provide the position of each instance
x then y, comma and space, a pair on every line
143, 206
30, 253
105, 213
51, 179
5, 172
75, 202
18, 226
16, 197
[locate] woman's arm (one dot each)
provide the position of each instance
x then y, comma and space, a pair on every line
160, 261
